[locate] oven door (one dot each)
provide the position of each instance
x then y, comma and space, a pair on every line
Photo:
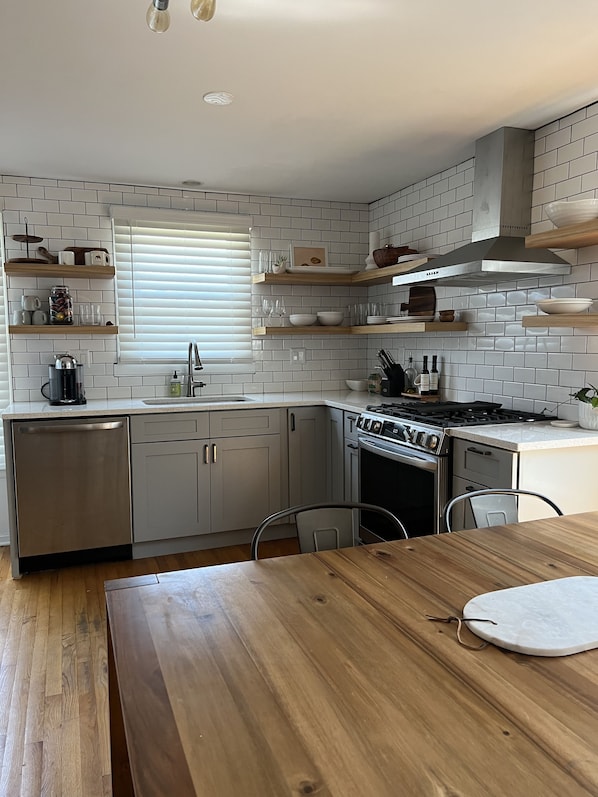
412, 485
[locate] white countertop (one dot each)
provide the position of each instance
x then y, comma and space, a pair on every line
511, 436
342, 399
527, 436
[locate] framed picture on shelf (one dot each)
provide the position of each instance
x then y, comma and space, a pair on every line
312, 257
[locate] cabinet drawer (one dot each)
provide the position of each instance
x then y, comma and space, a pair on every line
351, 425
162, 427
486, 465
236, 423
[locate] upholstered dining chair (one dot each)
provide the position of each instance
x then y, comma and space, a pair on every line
494, 506
325, 526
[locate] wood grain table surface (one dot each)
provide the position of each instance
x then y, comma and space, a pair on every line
320, 674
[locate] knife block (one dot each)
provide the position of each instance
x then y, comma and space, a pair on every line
393, 383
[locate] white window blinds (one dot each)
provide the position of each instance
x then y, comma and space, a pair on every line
5, 391
182, 276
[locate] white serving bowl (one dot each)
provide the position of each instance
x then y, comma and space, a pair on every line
330, 318
302, 319
565, 212
564, 305
357, 384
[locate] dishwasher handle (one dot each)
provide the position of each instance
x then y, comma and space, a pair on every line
59, 428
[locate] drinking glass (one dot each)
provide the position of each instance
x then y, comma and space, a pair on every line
267, 308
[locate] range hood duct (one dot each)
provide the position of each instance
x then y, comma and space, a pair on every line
502, 199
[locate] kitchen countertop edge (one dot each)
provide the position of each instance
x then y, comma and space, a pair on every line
341, 399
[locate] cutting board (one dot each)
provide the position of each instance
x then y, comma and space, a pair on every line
551, 618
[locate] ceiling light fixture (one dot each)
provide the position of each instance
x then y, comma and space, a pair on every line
218, 98
158, 18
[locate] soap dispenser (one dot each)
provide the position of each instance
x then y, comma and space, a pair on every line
175, 385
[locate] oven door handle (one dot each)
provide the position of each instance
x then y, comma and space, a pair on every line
395, 456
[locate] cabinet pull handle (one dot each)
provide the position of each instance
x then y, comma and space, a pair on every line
351, 422
352, 445
479, 451
206, 455
292, 422
214, 452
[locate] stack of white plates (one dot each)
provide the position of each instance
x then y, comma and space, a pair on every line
400, 318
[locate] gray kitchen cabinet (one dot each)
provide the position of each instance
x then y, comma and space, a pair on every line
307, 455
564, 474
335, 470
171, 489
187, 482
351, 457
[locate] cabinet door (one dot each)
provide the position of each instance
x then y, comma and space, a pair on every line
461, 515
351, 471
335, 471
171, 490
307, 455
246, 481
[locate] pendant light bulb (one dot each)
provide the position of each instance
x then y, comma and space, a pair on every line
203, 9
157, 17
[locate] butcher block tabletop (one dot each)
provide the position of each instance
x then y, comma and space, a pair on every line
320, 674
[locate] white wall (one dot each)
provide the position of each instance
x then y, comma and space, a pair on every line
67, 213
495, 359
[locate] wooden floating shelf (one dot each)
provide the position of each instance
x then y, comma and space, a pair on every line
55, 270
378, 276
561, 320
370, 329
58, 329
574, 237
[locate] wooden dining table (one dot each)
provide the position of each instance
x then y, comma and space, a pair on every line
320, 674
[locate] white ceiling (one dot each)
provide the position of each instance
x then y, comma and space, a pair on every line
334, 99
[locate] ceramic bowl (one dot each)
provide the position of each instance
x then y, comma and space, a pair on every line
330, 318
564, 305
357, 384
302, 319
565, 212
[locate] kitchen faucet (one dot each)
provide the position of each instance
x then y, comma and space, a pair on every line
193, 357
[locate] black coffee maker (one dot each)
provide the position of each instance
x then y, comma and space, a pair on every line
66, 381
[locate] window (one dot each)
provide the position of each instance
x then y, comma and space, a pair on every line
5, 392
182, 276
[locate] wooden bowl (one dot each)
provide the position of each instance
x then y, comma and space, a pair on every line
389, 255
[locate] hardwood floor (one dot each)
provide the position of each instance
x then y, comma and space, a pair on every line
53, 671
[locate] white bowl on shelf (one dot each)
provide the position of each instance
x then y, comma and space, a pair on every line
551, 306
564, 212
357, 384
330, 318
303, 319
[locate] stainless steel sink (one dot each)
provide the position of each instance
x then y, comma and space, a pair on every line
196, 400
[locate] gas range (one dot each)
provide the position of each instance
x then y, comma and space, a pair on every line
424, 426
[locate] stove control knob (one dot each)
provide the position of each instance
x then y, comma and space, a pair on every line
376, 427
431, 441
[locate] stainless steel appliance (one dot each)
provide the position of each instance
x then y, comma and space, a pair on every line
404, 459
502, 203
72, 496
65, 385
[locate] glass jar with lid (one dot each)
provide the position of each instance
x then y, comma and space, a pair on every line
61, 305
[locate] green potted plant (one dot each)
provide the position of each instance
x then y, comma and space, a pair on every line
588, 407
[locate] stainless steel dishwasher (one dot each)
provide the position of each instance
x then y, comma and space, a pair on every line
72, 490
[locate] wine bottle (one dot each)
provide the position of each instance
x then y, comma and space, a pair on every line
434, 377
410, 374
424, 387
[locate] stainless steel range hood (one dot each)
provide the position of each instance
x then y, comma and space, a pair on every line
502, 191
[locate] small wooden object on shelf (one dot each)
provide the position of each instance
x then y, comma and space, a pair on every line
419, 397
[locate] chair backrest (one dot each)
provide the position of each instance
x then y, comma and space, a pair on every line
494, 506
325, 526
